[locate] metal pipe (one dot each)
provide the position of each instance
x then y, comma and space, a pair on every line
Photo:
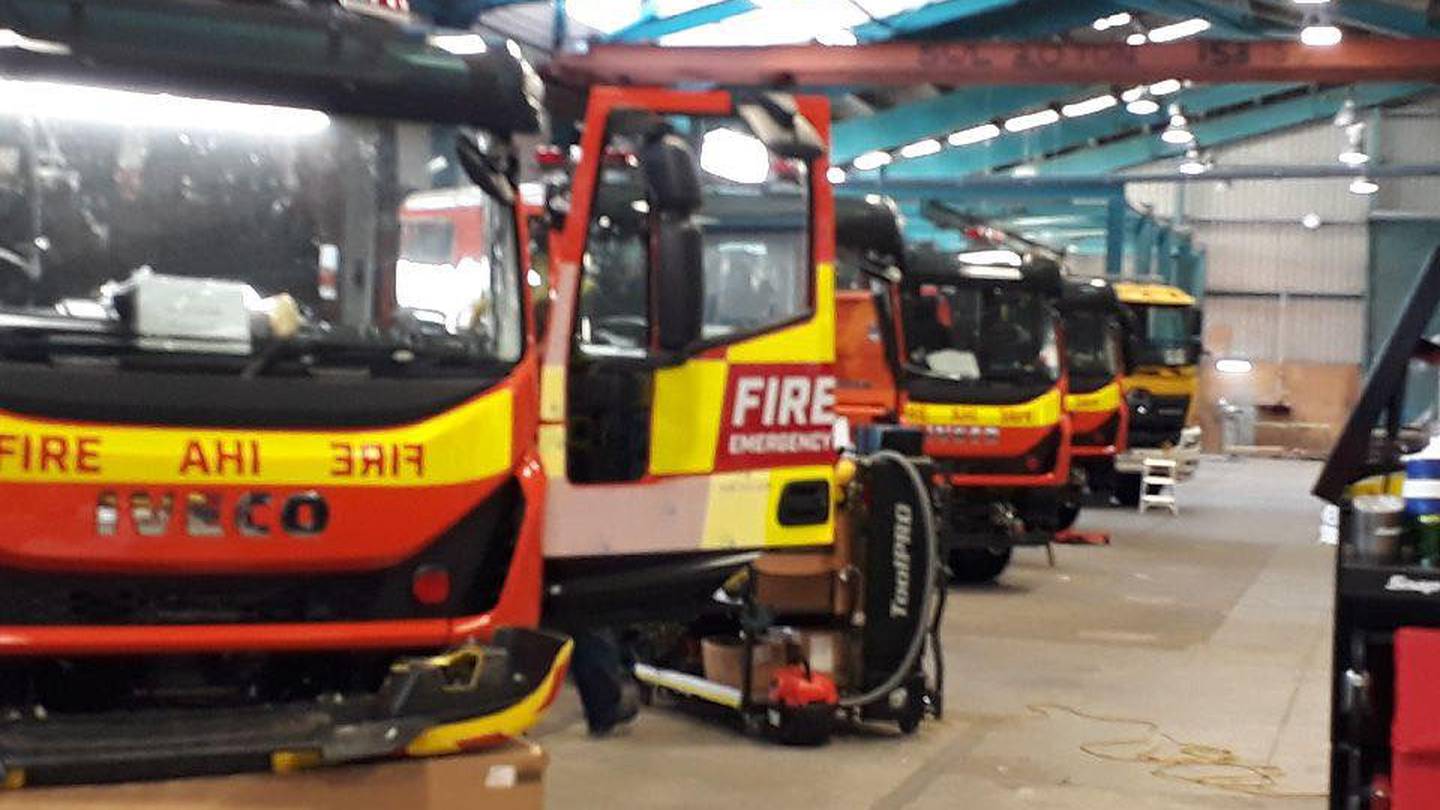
1005, 63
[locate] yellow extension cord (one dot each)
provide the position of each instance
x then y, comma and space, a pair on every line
1179, 761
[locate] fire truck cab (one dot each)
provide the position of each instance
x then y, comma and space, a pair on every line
971, 354
278, 492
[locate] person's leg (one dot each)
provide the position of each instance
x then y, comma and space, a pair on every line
600, 676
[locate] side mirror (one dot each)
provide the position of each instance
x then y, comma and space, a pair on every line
671, 178
484, 170
679, 283
677, 251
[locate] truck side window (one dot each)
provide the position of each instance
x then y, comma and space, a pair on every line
614, 305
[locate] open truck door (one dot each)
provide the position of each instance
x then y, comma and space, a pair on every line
688, 389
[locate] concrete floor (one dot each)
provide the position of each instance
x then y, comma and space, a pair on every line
1214, 625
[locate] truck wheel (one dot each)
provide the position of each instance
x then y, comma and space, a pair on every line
1068, 508
1127, 488
972, 566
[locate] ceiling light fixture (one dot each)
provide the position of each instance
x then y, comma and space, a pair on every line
1089, 106
1023, 170
1317, 31
1363, 186
1139, 102
929, 146
1193, 164
1039, 118
872, 160
1321, 36
1166, 87
1346, 116
1311, 221
1178, 131
1180, 30
1137, 38
835, 175
965, 137
1112, 21
1234, 365
1355, 154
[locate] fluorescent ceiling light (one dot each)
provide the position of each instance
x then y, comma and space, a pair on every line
1039, 118
86, 104
1136, 38
1363, 186
872, 160
1311, 221
1006, 257
929, 146
1234, 365
734, 155
1321, 36
1112, 21
1193, 164
1143, 106
835, 175
1180, 30
965, 137
1024, 170
1138, 91
1089, 106
1354, 157
1178, 130
1166, 87
1177, 136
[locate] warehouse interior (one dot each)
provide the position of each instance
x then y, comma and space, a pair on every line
885, 404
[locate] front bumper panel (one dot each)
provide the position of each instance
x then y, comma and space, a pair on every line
471, 697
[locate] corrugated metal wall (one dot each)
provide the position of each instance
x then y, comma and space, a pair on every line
1277, 290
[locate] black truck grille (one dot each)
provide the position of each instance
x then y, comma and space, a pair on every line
1160, 424
476, 551
1037, 460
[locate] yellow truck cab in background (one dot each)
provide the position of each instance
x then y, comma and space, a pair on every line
1161, 389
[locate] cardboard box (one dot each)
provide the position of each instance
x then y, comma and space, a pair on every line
828, 651
508, 777
805, 583
723, 658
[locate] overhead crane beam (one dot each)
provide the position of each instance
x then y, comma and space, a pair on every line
1008, 63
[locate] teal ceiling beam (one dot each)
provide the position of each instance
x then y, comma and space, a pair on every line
929, 16
935, 117
1386, 18
1070, 134
1225, 129
1226, 19
652, 28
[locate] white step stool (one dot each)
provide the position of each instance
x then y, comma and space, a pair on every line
1157, 485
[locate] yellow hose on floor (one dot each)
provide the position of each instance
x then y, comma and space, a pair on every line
1179, 761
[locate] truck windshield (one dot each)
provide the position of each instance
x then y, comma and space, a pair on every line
974, 333
169, 223
1167, 335
1091, 344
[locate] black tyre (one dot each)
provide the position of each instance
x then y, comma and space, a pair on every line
1127, 488
806, 725
1068, 508
976, 565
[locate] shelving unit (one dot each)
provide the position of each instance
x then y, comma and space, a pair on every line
1373, 600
